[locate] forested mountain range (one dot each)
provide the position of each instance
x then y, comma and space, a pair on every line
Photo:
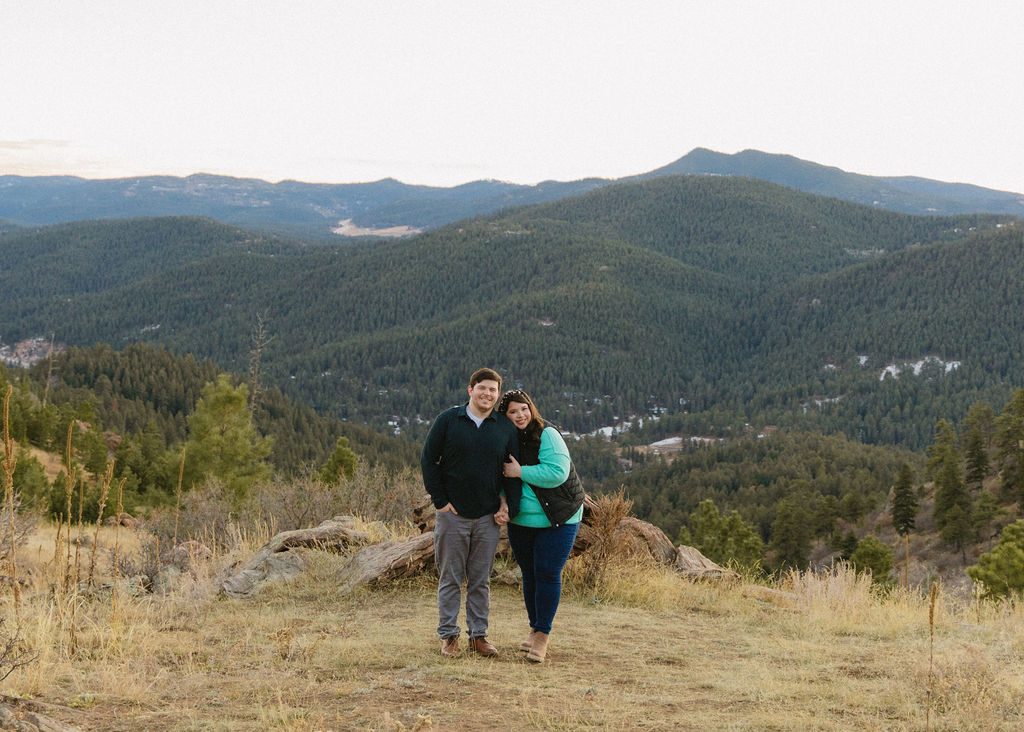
711, 301
315, 210
291, 208
906, 194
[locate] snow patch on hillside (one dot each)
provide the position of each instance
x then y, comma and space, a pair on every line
896, 369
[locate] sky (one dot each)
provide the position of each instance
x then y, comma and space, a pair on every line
448, 91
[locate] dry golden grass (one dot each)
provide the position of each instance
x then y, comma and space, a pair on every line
643, 649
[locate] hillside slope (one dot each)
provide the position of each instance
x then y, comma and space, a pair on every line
904, 194
649, 296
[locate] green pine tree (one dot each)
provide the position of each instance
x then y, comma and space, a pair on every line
952, 509
979, 429
223, 443
1010, 447
791, 535
1001, 571
904, 501
724, 539
872, 555
341, 465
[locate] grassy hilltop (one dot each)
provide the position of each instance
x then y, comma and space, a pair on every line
643, 649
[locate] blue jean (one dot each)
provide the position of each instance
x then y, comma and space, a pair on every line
541, 554
464, 551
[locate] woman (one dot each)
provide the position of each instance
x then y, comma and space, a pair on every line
542, 533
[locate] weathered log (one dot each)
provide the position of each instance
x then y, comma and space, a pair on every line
387, 561
770, 594
691, 563
275, 561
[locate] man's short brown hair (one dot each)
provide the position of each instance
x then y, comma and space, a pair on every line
484, 374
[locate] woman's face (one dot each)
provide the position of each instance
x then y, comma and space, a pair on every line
519, 413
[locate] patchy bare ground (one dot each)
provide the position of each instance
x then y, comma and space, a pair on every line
347, 228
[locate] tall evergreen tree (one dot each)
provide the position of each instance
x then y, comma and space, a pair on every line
791, 535
1010, 447
952, 509
904, 501
979, 430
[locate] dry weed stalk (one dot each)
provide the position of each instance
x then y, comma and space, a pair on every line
10, 461
931, 653
177, 505
81, 532
906, 562
64, 572
108, 476
117, 546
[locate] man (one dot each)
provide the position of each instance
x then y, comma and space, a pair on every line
462, 471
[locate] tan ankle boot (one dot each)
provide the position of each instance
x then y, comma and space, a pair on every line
527, 643
539, 648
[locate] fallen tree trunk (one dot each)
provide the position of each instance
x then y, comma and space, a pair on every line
396, 559
276, 561
691, 563
388, 560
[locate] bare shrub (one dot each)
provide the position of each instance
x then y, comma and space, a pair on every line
212, 514
23, 523
13, 654
297, 503
372, 493
607, 545
143, 564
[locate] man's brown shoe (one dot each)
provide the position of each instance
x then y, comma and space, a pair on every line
481, 646
450, 646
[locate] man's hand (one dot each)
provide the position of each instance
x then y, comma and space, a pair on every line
501, 515
448, 508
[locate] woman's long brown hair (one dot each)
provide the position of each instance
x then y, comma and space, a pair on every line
536, 426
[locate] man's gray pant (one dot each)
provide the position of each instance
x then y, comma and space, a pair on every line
464, 551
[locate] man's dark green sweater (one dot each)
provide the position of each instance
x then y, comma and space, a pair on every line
462, 463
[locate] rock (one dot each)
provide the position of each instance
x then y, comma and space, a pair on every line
123, 519
187, 555
512, 577
26, 715
167, 579
644, 538
424, 514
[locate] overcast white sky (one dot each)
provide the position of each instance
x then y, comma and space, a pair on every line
447, 91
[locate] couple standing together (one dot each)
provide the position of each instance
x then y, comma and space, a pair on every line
488, 463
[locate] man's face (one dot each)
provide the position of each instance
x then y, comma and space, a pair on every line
483, 395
